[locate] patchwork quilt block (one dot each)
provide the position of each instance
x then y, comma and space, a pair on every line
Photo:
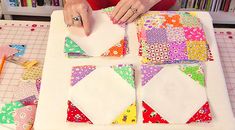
179, 33
111, 38
180, 99
102, 95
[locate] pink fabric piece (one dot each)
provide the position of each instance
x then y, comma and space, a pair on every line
7, 51
194, 34
24, 117
26, 89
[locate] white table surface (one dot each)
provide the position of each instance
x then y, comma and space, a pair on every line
52, 108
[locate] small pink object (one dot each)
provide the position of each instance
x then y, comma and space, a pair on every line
229, 33
7, 51
34, 25
24, 117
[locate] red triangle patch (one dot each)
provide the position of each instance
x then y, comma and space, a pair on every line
75, 115
150, 116
202, 115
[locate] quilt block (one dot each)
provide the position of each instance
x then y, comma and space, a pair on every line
174, 94
171, 37
102, 95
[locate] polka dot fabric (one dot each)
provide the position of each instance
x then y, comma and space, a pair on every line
78, 73
72, 47
178, 51
128, 116
75, 115
197, 50
156, 35
7, 112
32, 100
127, 73
148, 72
150, 116
181, 33
117, 50
32, 73
24, 117
158, 53
195, 72
202, 115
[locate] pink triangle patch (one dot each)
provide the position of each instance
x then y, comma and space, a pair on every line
150, 116
75, 115
79, 72
202, 115
148, 72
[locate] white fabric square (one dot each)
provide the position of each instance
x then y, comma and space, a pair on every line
174, 95
104, 35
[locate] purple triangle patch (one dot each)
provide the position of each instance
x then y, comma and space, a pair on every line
79, 72
148, 72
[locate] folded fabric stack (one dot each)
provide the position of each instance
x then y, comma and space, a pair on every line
115, 45
102, 95
21, 112
171, 37
179, 99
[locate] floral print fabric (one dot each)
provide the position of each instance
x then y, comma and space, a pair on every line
179, 33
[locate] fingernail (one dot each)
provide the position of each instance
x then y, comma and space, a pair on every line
111, 18
120, 22
88, 33
114, 21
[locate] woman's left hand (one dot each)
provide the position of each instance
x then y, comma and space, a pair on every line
129, 10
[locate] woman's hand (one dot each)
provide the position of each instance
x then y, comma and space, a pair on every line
78, 9
129, 10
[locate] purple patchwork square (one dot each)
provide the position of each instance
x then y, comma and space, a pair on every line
178, 51
156, 35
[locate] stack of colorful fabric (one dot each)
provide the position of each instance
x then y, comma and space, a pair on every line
171, 37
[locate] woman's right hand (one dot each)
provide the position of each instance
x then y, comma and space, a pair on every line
78, 8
